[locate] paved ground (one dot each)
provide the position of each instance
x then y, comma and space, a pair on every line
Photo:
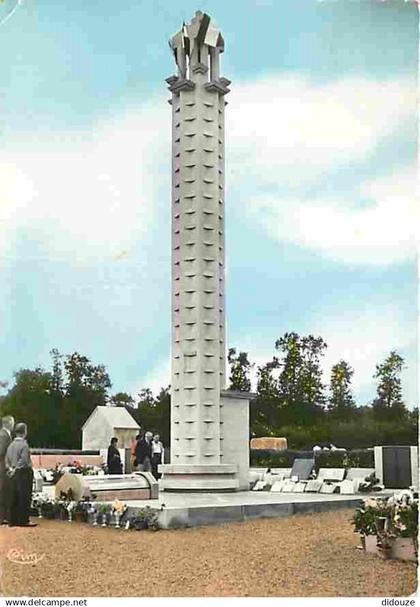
303, 555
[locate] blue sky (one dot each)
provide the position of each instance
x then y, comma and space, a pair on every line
321, 150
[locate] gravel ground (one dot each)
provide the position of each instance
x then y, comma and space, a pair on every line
302, 555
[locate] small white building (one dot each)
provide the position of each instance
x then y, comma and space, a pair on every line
104, 423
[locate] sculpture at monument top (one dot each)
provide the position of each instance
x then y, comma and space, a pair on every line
193, 40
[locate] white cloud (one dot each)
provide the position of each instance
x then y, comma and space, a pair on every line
288, 130
364, 338
158, 377
378, 234
92, 194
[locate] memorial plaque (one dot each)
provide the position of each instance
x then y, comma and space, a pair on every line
299, 487
302, 468
328, 487
259, 486
359, 473
277, 486
288, 486
331, 474
347, 487
313, 486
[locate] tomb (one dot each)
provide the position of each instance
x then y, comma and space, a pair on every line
136, 486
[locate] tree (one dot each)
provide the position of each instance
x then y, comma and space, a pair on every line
300, 380
341, 402
153, 414
240, 368
388, 403
30, 400
85, 387
121, 399
264, 413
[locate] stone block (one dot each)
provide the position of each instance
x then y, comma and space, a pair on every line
269, 443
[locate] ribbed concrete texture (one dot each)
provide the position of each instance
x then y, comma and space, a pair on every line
198, 269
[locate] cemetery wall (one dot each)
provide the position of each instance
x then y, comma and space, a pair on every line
51, 460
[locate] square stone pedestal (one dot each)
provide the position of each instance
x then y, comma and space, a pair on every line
232, 472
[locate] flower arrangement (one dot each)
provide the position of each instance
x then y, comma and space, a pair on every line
118, 510
144, 518
57, 473
82, 509
43, 505
70, 507
104, 509
388, 519
364, 519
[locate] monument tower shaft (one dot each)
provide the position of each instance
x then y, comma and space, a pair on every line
200, 408
198, 258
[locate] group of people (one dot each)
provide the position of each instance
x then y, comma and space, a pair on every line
147, 452
16, 474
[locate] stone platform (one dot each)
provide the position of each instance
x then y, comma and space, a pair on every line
178, 510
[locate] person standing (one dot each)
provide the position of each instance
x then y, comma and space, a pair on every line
157, 455
114, 458
144, 452
8, 423
133, 451
20, 473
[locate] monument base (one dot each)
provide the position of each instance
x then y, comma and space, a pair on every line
202, 478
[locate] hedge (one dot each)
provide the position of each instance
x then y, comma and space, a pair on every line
356, 458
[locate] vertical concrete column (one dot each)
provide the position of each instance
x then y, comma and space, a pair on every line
198, 262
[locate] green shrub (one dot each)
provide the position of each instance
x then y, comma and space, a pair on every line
358, 458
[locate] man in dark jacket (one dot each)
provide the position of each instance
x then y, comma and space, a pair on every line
5, 439
144, 452
19, 470
114, 458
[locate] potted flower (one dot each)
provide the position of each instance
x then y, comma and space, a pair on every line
61, 509
47, 508
57, 473
70, 507
151, 518
384, 536
104, 509
118, 509
364, 522
81, 511
138, 521
92, 512
405, 527
36, 505
145, 518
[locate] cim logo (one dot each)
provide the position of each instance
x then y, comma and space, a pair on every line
16, 555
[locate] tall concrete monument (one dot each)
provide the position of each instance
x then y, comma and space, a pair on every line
209, 425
